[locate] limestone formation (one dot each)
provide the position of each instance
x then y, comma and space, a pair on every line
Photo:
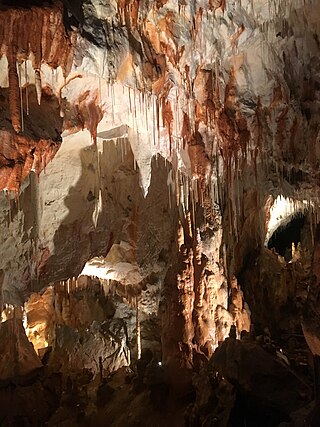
159, 178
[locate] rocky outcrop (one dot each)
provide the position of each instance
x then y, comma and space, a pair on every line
197, 311
19, 360
311, 314
32, 149
87, 324
43, 40
100, 348
261, 379
79, 326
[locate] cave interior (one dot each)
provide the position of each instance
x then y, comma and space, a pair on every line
159, 221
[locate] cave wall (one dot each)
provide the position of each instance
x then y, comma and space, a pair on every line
164, 127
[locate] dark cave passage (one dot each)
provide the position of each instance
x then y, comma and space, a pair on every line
282, 239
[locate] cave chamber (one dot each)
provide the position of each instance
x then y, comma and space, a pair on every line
159, 221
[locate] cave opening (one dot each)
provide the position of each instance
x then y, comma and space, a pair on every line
286, 235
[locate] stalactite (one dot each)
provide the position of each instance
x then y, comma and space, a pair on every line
140, 103
153, 119
112, 102
158, 119
138, 332
311, 229
135, 109
146, 107
100, 96
17, 199
177, 186
21, 97
9, 206
37, 73
130, 103
14, 93
171, 187
27, 88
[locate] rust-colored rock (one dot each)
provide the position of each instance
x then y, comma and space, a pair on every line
19, 154
37, 31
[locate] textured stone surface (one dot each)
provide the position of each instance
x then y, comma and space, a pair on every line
19, 359
248, 366
180, 122
213, 91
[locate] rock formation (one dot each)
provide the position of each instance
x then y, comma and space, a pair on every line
159, 192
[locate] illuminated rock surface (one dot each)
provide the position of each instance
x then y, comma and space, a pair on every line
159, 177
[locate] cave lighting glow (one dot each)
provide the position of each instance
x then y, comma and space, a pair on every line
281, 212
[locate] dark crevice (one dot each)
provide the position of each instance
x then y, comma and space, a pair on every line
282, 239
